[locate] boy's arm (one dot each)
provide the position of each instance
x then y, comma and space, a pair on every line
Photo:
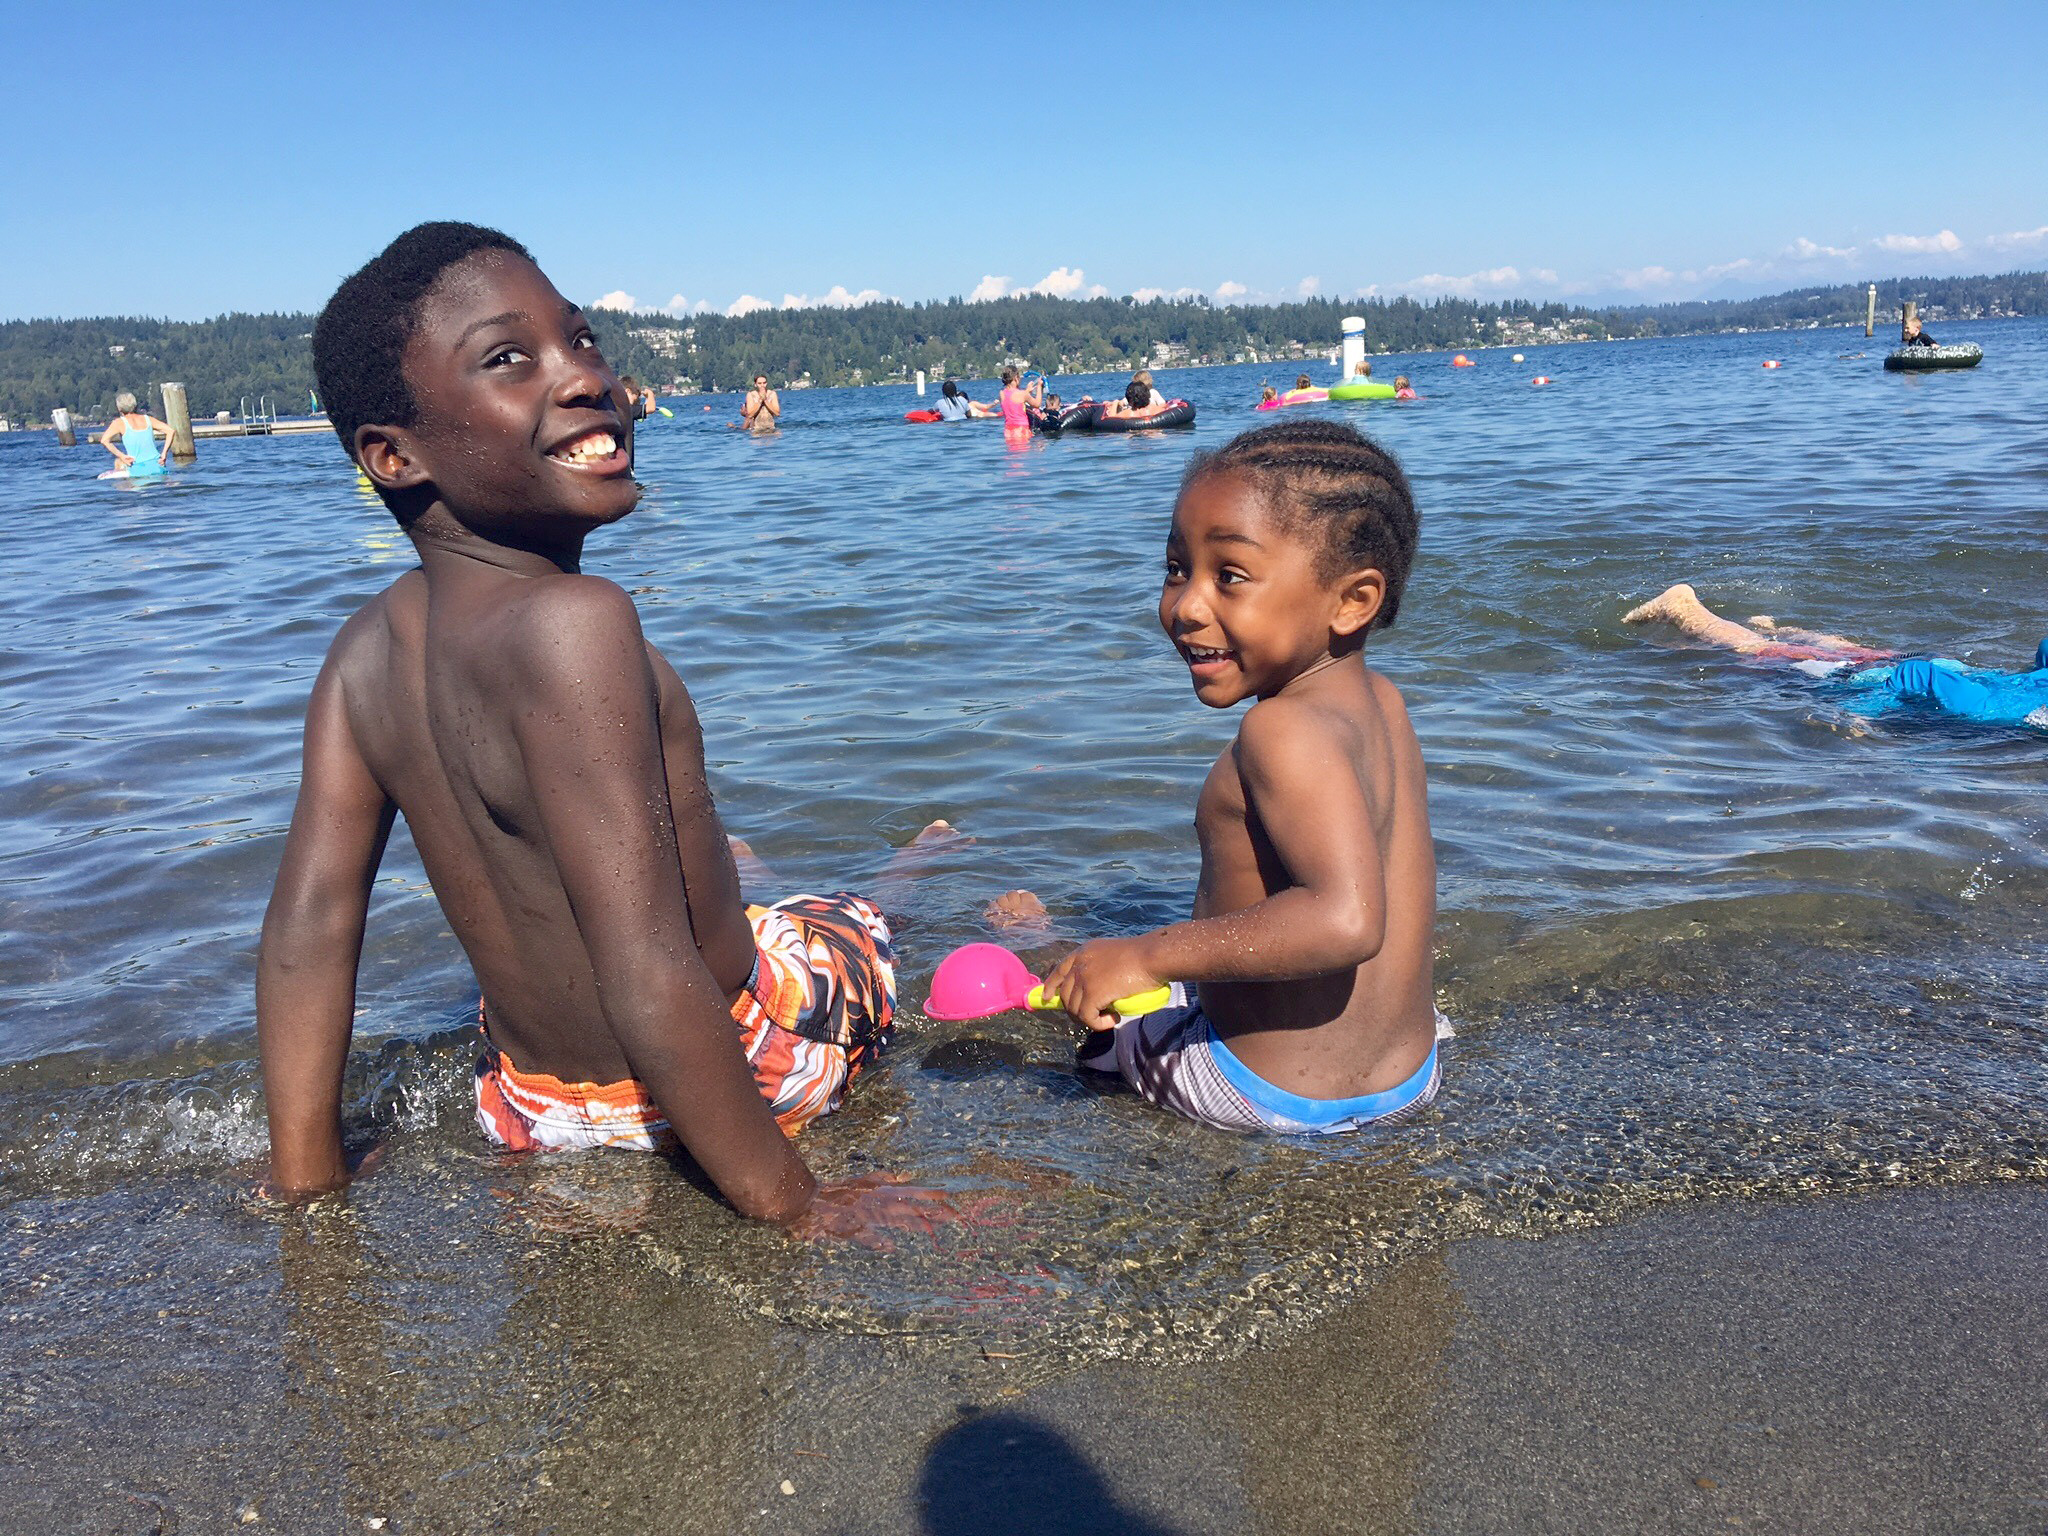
591, 743
1301, 783
312, 939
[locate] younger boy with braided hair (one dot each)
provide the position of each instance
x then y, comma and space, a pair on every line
1312, 1007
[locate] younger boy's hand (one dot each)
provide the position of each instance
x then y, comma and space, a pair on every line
1097, 974
866, 1209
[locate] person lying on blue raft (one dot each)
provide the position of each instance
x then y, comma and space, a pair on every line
1875, 680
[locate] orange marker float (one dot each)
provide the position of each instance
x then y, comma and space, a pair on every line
1541, 378
1462, 361
1772, 362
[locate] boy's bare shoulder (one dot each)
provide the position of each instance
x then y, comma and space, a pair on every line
571, 622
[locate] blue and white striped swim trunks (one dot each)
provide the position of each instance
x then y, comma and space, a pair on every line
1175, 1059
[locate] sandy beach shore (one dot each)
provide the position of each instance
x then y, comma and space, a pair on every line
1851, 1364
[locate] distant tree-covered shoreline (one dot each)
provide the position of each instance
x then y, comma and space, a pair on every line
238, 361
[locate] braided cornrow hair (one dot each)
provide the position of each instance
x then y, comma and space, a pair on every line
1337, 485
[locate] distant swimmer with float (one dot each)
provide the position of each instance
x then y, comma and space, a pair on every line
1919, 352
131, 438
1135, 412
1362, 385
1300, 999
1870, 680
1303, 393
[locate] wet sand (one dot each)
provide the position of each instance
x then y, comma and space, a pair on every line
1849, 1364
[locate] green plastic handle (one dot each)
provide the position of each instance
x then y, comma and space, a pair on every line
1137, 1004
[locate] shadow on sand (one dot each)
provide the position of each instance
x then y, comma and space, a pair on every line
1007, 1475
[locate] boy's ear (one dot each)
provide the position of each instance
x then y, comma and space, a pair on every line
1361, 594
390, 458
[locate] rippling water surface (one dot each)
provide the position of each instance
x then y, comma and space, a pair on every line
1703, 932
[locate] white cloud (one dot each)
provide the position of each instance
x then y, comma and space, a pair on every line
1804, 249
2018, 240
1060, 282
1226, 291
1147, 295
1492, 280
1308, 286
835, 297
746, 304
1919, 245
618, 298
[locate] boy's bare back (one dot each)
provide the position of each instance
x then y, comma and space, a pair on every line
431, 692
1334, 760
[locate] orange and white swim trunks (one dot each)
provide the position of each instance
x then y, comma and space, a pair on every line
816, 1009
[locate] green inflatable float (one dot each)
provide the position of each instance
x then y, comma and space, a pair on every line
1361, 389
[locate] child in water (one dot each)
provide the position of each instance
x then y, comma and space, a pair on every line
1402, 391
1872, 680
1312, 1008
550, 766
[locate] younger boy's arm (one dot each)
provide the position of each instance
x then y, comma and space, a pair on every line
590, 740
1302, 785
312, 939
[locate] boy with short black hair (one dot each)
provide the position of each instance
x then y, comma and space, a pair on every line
550, 766
1310, 942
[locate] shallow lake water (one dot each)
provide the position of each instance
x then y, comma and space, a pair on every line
1703, 932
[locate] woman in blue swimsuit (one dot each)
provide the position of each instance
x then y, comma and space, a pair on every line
136, 450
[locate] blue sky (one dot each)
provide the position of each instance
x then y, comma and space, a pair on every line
686, 158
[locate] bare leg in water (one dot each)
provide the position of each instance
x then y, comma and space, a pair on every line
890, 884
1680, 607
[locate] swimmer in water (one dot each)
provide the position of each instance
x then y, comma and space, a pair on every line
1017, 404
763, 408
1267, 392
131, 437
1402, 389
1137, 403
1874, 680
1312, 1007
1153, 397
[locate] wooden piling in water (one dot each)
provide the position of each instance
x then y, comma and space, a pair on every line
1907, 316
1870, 315
178, 416
67, 437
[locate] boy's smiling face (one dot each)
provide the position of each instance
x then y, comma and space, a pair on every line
1245, 601
519, 414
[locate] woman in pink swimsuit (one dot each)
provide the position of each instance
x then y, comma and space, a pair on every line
1019, 403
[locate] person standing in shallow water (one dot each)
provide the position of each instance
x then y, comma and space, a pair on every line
550, 767
131, 438
763, 408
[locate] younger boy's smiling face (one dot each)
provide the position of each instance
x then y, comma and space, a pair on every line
519, 414
1244, 599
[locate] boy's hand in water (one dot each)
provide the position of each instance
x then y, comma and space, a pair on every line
1100, 972
868, 1208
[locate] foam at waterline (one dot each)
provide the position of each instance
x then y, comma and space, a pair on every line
78, 1137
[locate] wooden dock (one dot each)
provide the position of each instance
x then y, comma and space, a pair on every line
260, 428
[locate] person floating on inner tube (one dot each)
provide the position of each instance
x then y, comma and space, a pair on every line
955, 405
1910, 334
1872, 680
1363, 370
1136, 403
1144, 376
